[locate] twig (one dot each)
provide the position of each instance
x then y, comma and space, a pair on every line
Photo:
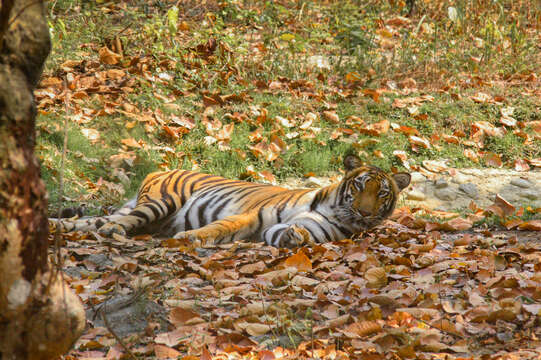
56, 240
117, 338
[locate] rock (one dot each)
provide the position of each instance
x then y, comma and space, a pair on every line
446, 194
522, 183
532, 194
127, 314
440, 184
417, 177
460, 178
313, 182
416, 195
470, 190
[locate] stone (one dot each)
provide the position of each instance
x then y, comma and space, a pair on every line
440, 184
446, 194
314, 182
416, 195
522, 183
417, 177
531, 194
460, 178
470, 190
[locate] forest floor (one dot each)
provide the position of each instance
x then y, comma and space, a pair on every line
279, 92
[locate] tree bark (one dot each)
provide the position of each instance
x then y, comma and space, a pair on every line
40, 318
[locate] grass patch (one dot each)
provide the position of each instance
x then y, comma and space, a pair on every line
285, 59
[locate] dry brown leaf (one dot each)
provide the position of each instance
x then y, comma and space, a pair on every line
435, 165
532, 225
108, 57
131, 142
376, 277
472, 155
506, 206
165, 352
180, 316
331, 116
363, 328
252, 268
492, 159
521, 165
416, 141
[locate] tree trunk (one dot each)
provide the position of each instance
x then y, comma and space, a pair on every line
40, 318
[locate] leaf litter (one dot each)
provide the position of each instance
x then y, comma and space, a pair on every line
408, 288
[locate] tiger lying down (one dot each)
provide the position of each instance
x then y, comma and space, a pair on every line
212, 209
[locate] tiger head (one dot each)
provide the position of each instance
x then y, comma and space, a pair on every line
370, 194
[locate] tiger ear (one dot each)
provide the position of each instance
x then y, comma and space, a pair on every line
402, 179
352, 162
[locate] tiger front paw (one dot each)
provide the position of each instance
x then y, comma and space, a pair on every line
110, 229
190, 235
295, 236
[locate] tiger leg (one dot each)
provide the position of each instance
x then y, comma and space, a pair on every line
145, 212
91, 223
233, 227
287, 236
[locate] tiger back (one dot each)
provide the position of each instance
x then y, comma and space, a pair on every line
212, 209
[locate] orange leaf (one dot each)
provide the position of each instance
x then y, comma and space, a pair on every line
532, 225
108, 57
374, 94
496, 210
472, 155
512, 223
521, 165
507, 208
165, 352
331, 116
180, 316
492, 159
130, 142
299, 261
459, 224
435, 165
419, 141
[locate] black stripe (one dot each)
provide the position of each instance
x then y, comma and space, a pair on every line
154, 210
159, 204
260, 218
140, 214
342, 229
202, 195
183, 194
165, 183
299, 199
327, 236
170, 204
317, 199
262, 203
275, 236
251, 189
281, 206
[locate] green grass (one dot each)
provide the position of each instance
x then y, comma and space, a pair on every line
266, 41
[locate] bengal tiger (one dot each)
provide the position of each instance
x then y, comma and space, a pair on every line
212, 209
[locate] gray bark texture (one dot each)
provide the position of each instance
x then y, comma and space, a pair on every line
40, 318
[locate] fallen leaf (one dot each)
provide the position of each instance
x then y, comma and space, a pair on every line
108, 57
299, 261
376, 277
